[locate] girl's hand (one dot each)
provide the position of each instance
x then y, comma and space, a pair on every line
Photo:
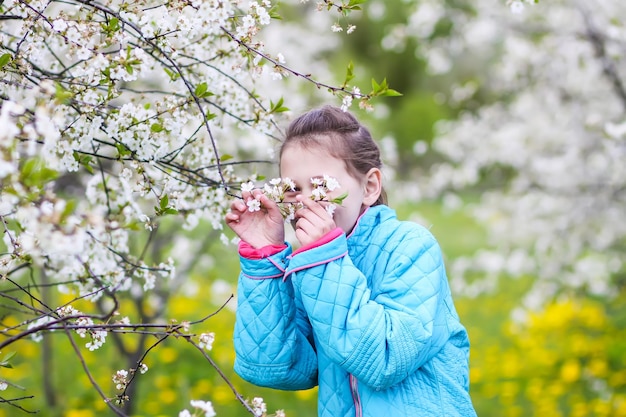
258, 228
312, 221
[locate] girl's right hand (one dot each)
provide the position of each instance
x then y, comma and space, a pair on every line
258, 228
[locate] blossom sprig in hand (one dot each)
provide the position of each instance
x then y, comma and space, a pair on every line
277, 188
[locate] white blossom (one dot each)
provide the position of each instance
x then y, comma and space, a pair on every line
253, 205
205, 406
206, 340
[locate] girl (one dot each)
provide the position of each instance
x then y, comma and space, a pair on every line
362, 308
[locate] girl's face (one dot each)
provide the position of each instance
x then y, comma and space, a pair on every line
300, 164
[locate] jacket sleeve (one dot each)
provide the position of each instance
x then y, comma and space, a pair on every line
380, 340
272, 348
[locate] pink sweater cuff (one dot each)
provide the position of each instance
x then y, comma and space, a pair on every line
332, 235
247, 251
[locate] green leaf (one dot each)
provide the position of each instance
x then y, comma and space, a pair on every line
122, 150
339, 200
134, 226
173, 75
225, 157
70, 206
278, 106
391, 93
84, 160
201, 89
62, 95
274, 15
114, 24
375, 86
111, 26
35, 174
8, 356
210, 116
156, 128
164, 202
4, 59
349, 74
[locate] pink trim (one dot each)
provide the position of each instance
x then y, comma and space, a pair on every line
358, 220
328, 237
276, 265
355, 396
262, 278
313, 264
249, 252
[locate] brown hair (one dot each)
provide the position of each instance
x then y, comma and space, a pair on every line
341, 135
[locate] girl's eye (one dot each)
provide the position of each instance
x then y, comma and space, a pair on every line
291, 195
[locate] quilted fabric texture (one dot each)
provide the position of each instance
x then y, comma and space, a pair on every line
375, 305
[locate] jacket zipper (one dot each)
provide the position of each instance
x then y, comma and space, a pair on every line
355, 396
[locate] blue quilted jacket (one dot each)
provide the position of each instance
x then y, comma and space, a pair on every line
368, 317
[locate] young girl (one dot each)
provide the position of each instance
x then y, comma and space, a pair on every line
362, 308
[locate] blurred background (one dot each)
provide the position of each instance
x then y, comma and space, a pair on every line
508, 143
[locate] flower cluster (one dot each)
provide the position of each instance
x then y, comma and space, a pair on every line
206, 341
565, 175
203, 407
113, 115
85, 326
259, 407
277, 188
120, 379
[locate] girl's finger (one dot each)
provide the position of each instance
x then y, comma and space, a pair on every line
305, 225
270, 205
314, 206
231, 216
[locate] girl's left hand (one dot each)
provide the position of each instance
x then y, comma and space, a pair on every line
312, 221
